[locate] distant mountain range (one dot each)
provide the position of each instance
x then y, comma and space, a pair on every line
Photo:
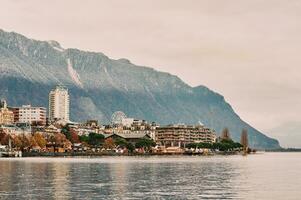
100, 86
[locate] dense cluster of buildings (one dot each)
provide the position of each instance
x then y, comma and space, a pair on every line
28, 119
58, 110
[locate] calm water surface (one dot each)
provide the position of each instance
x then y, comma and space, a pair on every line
260, 176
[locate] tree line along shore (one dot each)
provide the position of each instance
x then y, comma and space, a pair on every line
69, 143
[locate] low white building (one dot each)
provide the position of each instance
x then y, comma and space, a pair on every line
29, 114
15, 130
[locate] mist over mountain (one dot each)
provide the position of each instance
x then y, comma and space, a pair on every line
99, 86
288, 133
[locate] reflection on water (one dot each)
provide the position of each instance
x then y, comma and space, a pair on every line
262, 176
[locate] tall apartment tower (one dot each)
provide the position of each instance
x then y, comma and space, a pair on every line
59, 104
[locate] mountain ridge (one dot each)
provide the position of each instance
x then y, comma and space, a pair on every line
99, 86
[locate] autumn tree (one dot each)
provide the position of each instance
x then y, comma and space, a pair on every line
74, 136
40, 140
226, 134
33, 142
16, 142
2, 134
244, 139
4, 138
109, 143
22, 142
60, 139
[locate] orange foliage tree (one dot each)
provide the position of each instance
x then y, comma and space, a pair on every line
109, 143
22, 141
60, 140
17, 143
74, 136
40, 140
226, 134
3, 138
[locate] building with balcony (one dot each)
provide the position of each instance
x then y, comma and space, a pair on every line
181, 135
29, 114
59, 104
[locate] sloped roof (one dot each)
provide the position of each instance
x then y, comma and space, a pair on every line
129, 135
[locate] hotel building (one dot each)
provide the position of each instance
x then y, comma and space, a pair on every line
59, 104
181, 135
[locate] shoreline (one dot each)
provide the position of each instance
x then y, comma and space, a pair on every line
73, 154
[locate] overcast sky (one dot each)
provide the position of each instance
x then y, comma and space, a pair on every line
249, 51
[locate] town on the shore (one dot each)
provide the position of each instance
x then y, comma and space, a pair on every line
28, 130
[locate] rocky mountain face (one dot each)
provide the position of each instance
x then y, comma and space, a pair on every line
99, 86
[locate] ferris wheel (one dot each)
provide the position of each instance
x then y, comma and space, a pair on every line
117, 117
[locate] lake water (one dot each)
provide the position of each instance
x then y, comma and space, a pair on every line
261, 176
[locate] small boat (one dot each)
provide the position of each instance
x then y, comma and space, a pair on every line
8, 154
7, 151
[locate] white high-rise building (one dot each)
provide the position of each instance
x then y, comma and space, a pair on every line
59, 104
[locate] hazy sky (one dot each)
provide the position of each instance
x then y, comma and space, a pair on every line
249, 51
